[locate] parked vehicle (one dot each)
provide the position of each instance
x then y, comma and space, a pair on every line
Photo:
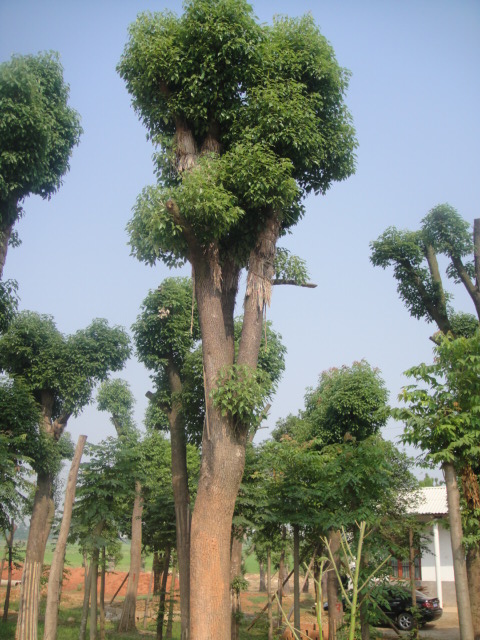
395, 602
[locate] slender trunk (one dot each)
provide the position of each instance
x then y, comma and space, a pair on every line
473, 571
458, 552
262, 584
93, 591
9, 541
171, 603
127, 619
476, 251
157, 570
334, 605
163, 591
86, 600
235, 572
306, 585
147, 601
56, 570
364, 624
102, 595
181, 497
296, 578
269, 591
5, 233
43, 511
281, 578
411, 567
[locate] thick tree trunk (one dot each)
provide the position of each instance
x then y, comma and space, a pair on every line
58, 560
163, 592
458, 552
181, 496
127, 620
43, 511
296, 578
9, 544
473, 571
334, 604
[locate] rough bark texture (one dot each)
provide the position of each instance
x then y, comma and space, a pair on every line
43, 511
58, 560
473, 571
127, 620
334, 605
458, 553
181, 496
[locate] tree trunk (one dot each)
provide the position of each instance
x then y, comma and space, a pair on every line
171, 603
127, 619
458, 552
102, 595
334, 604
235, 572
163, 591
296, 578
5, 233
93, 595
9, 541
43, 511
157, 571
473, 572
56, 570
181, 496
269, 591
86, 601
262, 584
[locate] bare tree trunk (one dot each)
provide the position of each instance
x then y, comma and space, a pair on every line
157, 570
127, 620
86, 601
93, 595
181, 496
473, 571
9, 541
163, 591
458, 552
334, 610
102, 595
171, 603
56, 570
269, 591
43, 511
262, 584
147, 601
411, 566
296, 578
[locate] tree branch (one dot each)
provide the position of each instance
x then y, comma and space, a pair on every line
309, 285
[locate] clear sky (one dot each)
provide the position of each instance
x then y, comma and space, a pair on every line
414, 95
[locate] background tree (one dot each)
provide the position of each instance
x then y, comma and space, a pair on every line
115, 397
38, 131
60, 373
441, 418
211, 87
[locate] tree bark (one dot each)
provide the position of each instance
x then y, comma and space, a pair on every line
127, 619
269, 591
171, 602
181, 497
473, 572
43, 511
334, 610
86, 601
93, 595
296, 578
163, 591
262, 584
235, 571
56, 570
9, 542
458, 552
102, 595
157, 571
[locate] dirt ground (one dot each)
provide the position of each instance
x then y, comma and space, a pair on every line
446, 628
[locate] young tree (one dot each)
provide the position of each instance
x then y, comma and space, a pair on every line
212, 87
38, 131
60, 373
442, 418
115, 397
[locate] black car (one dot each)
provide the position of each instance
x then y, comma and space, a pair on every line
396, 603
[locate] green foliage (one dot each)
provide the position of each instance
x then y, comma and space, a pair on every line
272, 96
349, 400
442, 415
240, 392
8, 303
290, 267
68, 367
447, 232
37, 130
116, 397
463, 324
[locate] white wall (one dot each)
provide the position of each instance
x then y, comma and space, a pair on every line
446, 560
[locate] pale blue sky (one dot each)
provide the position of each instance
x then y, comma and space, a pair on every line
414, 96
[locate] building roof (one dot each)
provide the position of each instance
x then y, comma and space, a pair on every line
431, 501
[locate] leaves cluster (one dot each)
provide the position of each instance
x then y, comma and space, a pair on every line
37, 130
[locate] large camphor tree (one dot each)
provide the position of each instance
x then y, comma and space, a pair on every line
60, 372
38, 131
248, 118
